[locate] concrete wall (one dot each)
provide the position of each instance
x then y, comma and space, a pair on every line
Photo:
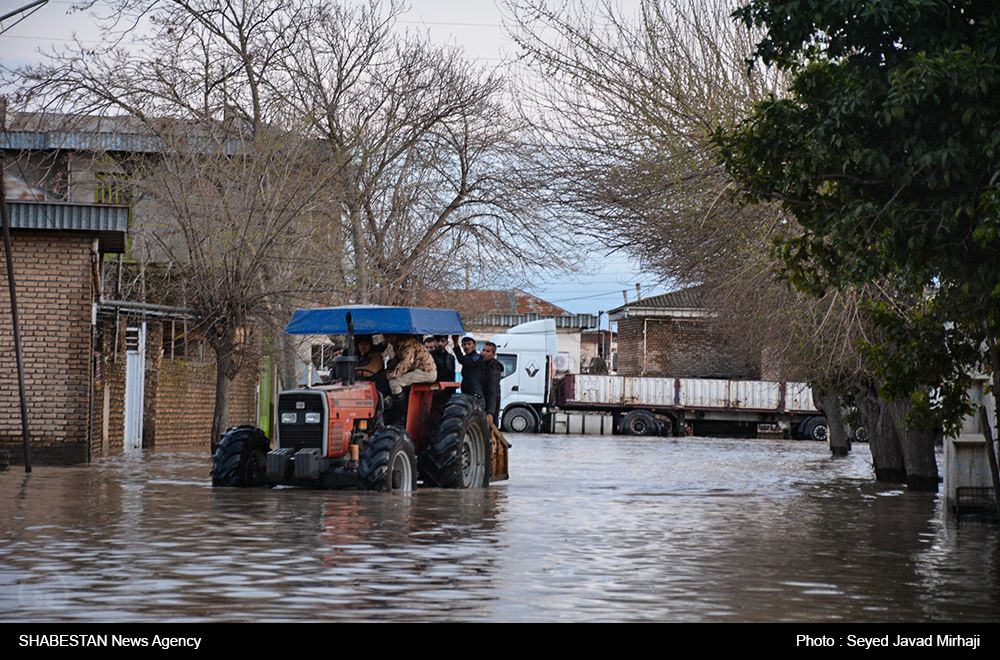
568, 347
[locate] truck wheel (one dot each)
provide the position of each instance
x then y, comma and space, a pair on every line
519, 419
387, 462
241, 459
460, 453
816, 429
640, 422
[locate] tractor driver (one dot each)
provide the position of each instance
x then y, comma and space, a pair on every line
371, 364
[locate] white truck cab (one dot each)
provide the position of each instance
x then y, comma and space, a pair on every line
527, 353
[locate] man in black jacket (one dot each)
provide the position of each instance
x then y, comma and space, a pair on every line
472, 363
492, 373
444, 360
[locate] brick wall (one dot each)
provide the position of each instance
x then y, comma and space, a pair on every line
681, 348
54, 281
109, 391
179, 396
185, 399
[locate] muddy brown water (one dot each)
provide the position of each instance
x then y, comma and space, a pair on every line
588, 529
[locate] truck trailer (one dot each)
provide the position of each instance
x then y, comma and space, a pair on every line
534, 400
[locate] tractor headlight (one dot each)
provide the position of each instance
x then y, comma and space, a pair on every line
289, 418
312, 418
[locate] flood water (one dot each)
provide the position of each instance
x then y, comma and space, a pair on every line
588, 529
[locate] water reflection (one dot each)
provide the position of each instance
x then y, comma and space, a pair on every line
588, 529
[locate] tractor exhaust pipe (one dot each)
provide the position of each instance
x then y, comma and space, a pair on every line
345, 364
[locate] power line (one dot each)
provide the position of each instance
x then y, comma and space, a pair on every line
26, 11
596, 295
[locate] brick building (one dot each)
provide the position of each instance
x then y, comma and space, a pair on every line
78, 340
57, 250
675, 335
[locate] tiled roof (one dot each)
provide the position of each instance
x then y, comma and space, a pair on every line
689, 298
492, 302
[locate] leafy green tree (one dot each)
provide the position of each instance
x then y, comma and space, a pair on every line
886, 150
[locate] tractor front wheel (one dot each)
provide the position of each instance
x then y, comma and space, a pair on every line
241, 459
387, 462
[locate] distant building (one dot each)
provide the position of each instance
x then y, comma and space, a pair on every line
596, 346
489, 312
675, 334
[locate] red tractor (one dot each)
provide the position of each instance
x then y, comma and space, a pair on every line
332, 436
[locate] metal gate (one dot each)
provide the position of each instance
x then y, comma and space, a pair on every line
135, 382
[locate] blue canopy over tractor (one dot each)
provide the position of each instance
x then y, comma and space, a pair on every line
375, 319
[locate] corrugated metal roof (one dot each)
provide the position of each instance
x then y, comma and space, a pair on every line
510, 320
112, 142
109, 222
80, 141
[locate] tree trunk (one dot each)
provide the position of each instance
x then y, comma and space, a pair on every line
918, 449
991, 451
883, 441
840, 444
223, 382
286, 364
360, 255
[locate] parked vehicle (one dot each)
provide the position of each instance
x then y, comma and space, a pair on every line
331, 436
533, 400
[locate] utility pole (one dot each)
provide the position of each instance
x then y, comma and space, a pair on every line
600, 335
8, 250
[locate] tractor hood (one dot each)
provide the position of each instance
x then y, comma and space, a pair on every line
375, 319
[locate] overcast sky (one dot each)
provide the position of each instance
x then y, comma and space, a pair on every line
474, 25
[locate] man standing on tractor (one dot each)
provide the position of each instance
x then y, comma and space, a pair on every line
443, 360
472, 365
492, 373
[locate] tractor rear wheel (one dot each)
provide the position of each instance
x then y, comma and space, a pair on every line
241, 459
387, 462
460, 453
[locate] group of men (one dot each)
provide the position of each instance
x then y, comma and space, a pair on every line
429, 362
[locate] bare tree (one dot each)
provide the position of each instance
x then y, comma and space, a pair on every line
428, 154
226, 197
233, 221
625, 108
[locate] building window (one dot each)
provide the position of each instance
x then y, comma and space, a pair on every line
179, 343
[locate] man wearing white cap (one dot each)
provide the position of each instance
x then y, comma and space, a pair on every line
473, 367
